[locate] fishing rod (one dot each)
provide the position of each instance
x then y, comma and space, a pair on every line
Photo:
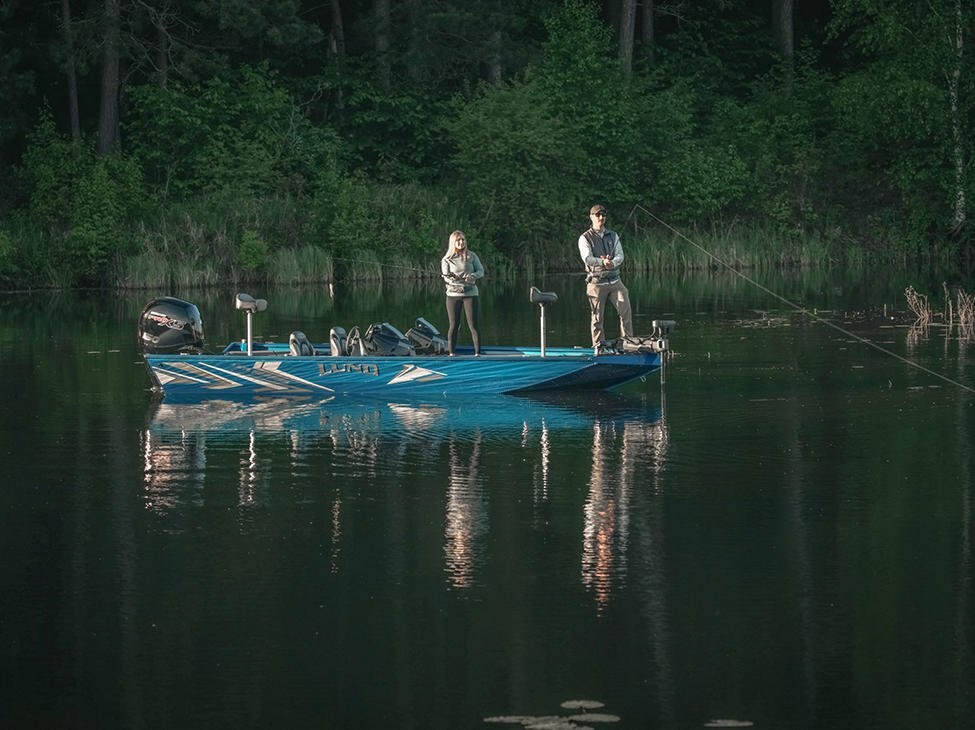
427, 272
802, 310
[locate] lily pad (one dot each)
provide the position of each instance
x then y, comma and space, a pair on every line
595, 717
581, 704
728, 723
555, 723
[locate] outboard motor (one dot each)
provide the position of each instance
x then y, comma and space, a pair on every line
336, 341
424, 336
169, 326
385, 340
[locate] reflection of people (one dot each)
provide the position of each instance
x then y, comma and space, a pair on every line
602, 253
623, 455
466, 520
461, 268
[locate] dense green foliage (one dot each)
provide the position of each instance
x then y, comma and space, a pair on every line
267, 139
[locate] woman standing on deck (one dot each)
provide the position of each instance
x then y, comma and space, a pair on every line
461, 268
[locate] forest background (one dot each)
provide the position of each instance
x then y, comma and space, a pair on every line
154, 143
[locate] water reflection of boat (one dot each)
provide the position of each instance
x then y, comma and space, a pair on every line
351, 437
628, 455
408, 417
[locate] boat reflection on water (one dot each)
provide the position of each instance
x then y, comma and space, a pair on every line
334, 444
466, 518
626, 454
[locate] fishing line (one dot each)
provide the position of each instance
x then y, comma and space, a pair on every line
431, 273
793, 305
427, 272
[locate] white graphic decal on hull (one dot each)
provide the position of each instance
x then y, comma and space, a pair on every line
414, 373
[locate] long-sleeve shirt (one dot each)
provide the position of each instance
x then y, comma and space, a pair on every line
454, 268
593, 246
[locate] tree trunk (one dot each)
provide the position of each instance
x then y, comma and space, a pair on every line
108, 117
783, 27
337, 35
73, 113
162, 51
336, 46
381, 12
494, 58
415, 56
646, 29
958, 138
627, 27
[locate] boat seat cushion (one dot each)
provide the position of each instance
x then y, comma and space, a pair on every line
299, 344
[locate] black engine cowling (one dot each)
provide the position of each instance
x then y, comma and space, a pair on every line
169, 325
425, 337
382, 338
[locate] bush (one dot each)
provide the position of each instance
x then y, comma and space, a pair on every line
404, 222
81, 201
583, 83
253, 253
52, 165
395, 134
8, 264
238, 133
700, 181
517, 159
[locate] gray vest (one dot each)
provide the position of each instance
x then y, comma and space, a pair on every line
601, 245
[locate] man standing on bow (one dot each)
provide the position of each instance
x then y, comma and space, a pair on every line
602, 254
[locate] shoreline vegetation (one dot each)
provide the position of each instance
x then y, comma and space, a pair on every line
730, 138
274, 242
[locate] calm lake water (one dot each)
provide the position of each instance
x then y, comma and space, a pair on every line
780, 537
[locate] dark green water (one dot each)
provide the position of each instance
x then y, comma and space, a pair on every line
783, 537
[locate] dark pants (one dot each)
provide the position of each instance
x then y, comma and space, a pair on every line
470, 305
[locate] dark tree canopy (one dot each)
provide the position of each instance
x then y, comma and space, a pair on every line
842, 117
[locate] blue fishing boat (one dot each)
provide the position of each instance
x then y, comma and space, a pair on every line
379, 362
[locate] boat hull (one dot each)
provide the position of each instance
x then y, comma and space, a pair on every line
270, 373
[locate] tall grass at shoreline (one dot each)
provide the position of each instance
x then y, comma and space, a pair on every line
740, 249
397, 233
304, 265
30, 258
371, 232
737, 248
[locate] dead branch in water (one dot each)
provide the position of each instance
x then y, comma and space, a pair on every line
966, 314
918, 303
949, 313
966, 308
962, 308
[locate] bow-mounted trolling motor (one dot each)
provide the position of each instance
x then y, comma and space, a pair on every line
170, 326
249, 305
541, 298
656, 341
